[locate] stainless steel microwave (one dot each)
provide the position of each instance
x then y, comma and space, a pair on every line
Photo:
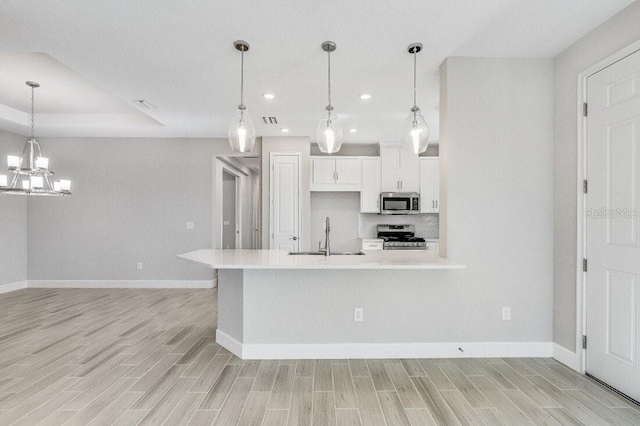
399, 203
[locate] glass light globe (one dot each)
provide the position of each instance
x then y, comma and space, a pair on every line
242, 134
329, 134
416, 133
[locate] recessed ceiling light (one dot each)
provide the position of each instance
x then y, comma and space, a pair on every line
269, 95
284, 130
365, 96
353, 130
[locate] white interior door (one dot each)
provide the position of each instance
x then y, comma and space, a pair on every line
612, 238
285, 202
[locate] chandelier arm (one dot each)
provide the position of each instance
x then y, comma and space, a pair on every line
48, 185
33, 89
14, 181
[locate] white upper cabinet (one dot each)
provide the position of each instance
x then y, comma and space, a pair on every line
323, 171
370, 194
400, 170
335, 174
429, 185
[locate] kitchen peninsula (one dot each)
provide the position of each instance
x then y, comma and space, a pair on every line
272, 305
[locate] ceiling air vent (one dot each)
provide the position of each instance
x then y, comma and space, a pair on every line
270, 120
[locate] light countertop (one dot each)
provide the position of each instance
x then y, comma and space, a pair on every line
279, 259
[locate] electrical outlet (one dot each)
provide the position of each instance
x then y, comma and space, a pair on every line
189, 225
139, 266
506, 313
358, 314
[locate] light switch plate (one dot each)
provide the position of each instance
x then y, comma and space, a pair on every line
189, 225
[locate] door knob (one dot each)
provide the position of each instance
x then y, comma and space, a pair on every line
294, 238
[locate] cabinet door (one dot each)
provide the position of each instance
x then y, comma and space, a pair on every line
390, 164
429, 185
409, 171
370, 193
323, 171
347, 171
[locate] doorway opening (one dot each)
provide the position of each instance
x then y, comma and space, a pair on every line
230, 231
236, 203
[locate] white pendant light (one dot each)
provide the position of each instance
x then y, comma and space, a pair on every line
416, 132
242, 135
31, 174
329, 134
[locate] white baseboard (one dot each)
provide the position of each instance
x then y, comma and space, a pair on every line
384, 350
19, 285
565, 356
118, 284
229, 343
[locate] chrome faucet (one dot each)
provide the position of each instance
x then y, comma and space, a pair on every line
327, 241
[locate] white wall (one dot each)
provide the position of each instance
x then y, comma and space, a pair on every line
13, 219
343, 209
131, 201
496, 139
618, 32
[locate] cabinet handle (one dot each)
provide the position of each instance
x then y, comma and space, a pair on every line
337, 176
436, 204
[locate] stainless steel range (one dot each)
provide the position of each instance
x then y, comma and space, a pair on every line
400, 237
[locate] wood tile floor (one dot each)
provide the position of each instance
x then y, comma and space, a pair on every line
126, 357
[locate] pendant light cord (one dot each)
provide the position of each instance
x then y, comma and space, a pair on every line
329, 75
414, 79
32, 112
242, 79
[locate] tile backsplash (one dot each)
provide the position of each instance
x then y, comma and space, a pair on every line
427, 225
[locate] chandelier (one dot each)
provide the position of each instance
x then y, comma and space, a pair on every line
30, 172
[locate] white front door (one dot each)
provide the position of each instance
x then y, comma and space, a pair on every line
285, 202
612, 226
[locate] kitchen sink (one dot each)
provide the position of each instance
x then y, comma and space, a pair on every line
319, 253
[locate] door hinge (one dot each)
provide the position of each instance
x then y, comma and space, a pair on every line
585, 186
584, 342
585, 109
584, 265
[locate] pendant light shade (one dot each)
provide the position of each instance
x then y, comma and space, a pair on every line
415, 135
329, 134
242, 134
31, 174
